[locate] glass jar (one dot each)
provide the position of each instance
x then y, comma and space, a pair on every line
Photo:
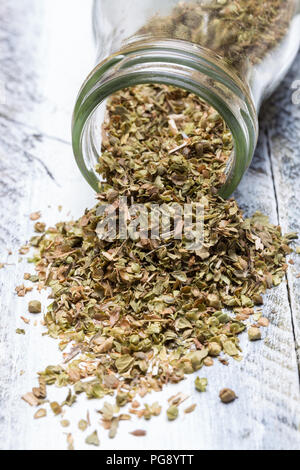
232, 54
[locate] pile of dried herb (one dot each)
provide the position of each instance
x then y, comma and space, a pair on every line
134, 315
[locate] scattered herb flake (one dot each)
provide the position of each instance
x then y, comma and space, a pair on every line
93, 439
227, 395
200, 384
35, 216
172, 413
20, 331
82, 425
65, 423
254, 333
138, 432
34, 306
41, 413
190, 408
56, 408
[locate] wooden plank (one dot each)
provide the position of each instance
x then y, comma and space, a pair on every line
37, 170
275, 366
283, 137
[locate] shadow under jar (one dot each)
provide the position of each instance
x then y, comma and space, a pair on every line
232, 54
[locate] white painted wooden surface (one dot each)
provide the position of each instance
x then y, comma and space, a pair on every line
46, 50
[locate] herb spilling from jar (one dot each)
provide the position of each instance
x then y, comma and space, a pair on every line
134, 315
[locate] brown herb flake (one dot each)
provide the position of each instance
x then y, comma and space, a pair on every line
56, 408
178, 399
34, 306
264, 322
39, 227
35, 216
22, 290
227, 395
254, 333
138, 433
41, 413
190, 408
30, 399
24, 249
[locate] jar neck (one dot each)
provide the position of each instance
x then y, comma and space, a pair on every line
171, 62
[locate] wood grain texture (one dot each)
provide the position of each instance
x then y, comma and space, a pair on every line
44, 54
283, 139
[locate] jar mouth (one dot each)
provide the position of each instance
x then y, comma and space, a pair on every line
170, 62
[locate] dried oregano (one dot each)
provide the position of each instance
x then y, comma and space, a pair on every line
172, 413
93, 439
242, 32
227, 395
200, 384
133, 315
35, 306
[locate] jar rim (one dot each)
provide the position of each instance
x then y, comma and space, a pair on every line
171, 62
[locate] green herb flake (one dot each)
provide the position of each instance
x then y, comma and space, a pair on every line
201, 384
93, 439
172, 413
20, 331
